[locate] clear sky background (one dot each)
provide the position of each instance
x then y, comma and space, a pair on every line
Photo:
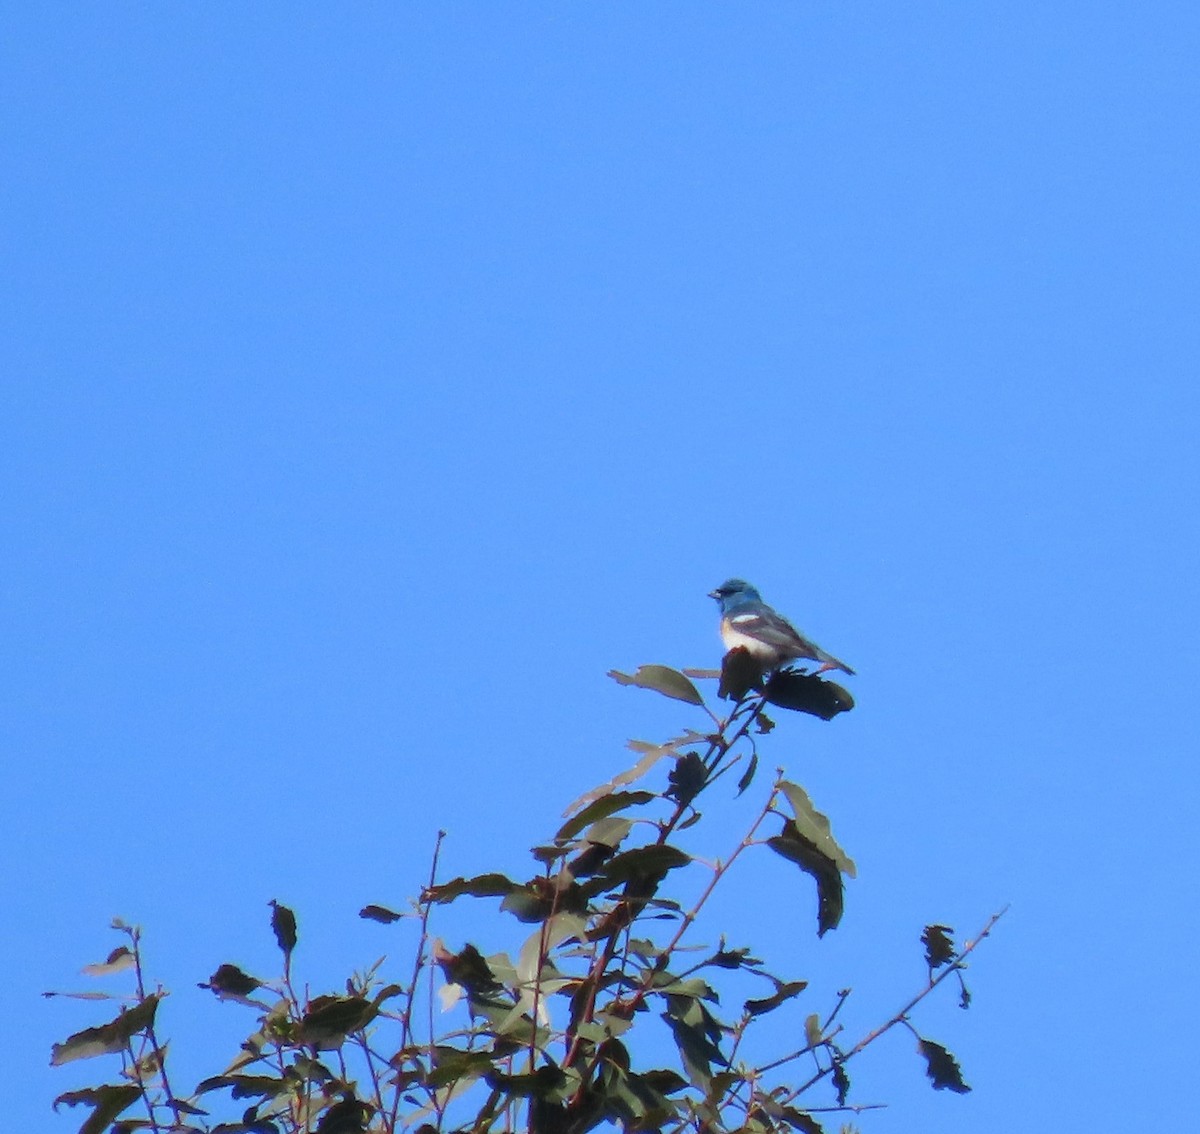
377, 376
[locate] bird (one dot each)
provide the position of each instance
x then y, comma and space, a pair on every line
765, 634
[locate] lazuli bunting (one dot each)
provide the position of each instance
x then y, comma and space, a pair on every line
766, 636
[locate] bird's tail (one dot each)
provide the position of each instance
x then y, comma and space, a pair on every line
828, 662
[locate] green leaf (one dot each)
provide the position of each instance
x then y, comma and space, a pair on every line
732, 958
107, 1102
694, 987
541, 897
606, 805
815, 826
785, 990
645, 948
939, 948
306, 1067
801, 1120
481, 886
591, 858
108, 1038
119, 959
748, 774
248, 1125
387, 993
609, 832
283, 925
662, 679
467, 967
246, 1086
650, 755
380, 913
696, 1049
664, 1081
330, 1019
812, 1029
544, 1081
527, 906
348, 1116
643, 863
942, 1068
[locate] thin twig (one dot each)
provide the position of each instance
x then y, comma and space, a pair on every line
160, 1061
901, 1017
406, 1032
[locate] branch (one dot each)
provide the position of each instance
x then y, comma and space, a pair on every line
629, 907
406, 1033
900, 1017
135, 939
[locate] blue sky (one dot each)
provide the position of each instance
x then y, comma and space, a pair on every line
377, 377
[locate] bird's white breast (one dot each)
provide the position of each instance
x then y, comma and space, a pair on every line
733, 637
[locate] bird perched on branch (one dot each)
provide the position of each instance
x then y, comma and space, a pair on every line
768, 637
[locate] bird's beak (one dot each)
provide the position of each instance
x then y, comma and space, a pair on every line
714, 594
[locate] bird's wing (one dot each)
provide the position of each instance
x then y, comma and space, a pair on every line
776, 632
765, 626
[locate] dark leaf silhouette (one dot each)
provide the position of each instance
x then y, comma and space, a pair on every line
590, 859
348, 1116
609, 804
841, 1082
229, 980
453, 1063
246, 1086
466, 967
807, 693
813, 860
687, 778
481, 886
107, 1102
740, 674
330, 1019
785, 990
732, 959
249, 1125
538, 1084
942, 1068
540, 898
643, 864
939, 948
379, 913
748, 775
800, 1120
283, 925
814, 825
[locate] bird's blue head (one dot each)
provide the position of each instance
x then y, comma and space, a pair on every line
733, 593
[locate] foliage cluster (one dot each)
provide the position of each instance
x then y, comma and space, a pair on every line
609, 1014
